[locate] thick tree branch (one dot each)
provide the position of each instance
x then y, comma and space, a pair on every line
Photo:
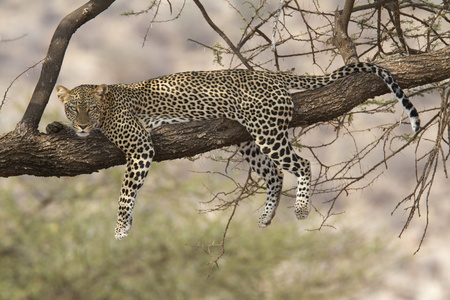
65, 154
53, 61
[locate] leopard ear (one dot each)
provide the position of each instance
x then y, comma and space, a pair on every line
101, 90
62, 93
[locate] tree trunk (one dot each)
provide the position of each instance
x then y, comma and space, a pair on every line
65, 154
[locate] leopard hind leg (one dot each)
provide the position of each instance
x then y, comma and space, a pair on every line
280, 151
272, 176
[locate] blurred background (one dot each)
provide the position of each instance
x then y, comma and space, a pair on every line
56, 238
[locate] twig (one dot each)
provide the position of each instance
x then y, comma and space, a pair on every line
395, 17
311, 39
274, 26
13, 39
215, 263
15, 79
425, 182
242, 195
222, 35
153, 21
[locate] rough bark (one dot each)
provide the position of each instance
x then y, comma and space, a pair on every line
340, 38
65, 154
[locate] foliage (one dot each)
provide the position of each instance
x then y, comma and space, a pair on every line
57, 243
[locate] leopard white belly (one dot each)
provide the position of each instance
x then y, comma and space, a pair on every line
154, 122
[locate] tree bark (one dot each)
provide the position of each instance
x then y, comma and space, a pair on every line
65, 154
340, 38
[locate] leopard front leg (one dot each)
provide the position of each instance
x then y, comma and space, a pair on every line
138, 165
135, 141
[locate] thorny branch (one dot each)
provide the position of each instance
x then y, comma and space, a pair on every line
433, 158
15, 79
244, 192
154, 7
223, 35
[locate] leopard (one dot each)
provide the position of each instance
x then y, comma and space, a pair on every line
259, 100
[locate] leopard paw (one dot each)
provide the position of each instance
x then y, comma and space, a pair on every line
54, 127
264, 220
122, 229
120, 234
302, 210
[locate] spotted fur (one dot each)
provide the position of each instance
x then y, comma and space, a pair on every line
260, 101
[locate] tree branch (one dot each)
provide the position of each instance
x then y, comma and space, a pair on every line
65, 154
346, 13
340, 38
53, 60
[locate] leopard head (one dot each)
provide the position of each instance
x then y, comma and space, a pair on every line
83, 106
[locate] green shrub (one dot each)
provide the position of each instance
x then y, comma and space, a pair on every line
57, 243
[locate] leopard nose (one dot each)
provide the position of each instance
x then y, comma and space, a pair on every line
82, 126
